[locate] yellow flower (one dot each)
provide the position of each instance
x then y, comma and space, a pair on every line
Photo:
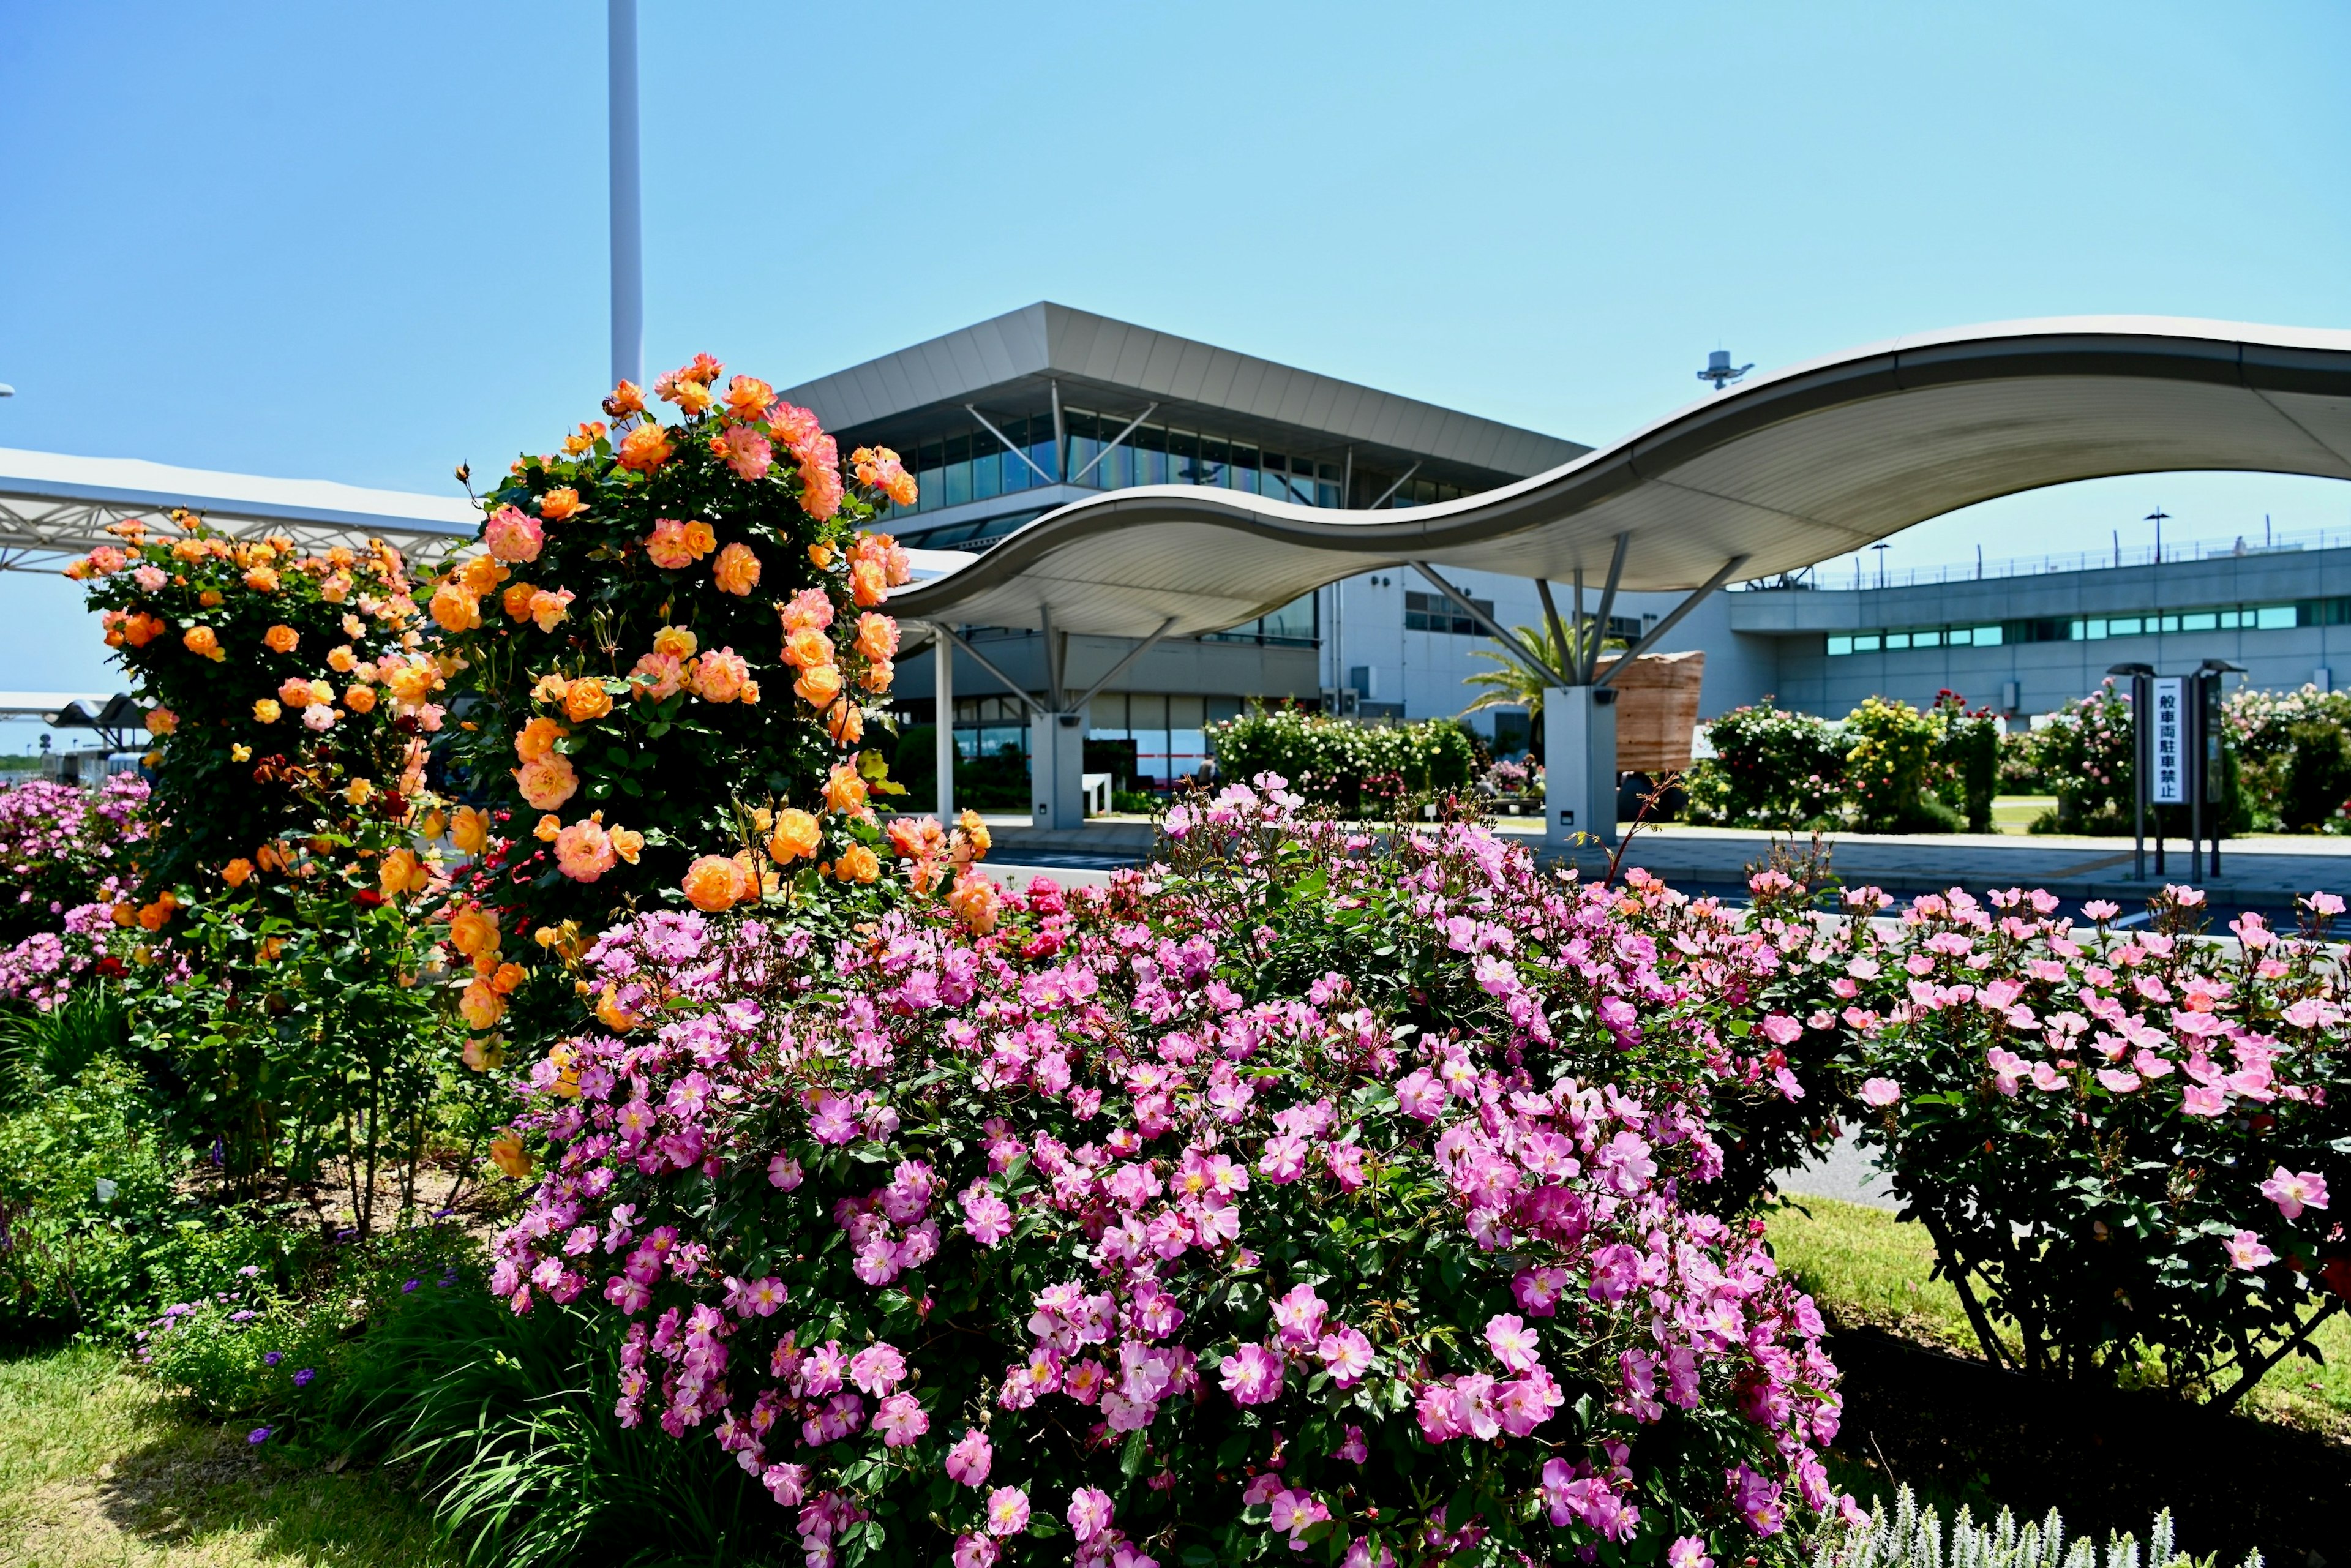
266, 711
240, 752
675, 643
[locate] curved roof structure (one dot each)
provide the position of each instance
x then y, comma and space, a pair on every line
1786, 470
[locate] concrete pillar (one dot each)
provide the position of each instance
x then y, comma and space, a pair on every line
1057, 761
1579, 765
944, 758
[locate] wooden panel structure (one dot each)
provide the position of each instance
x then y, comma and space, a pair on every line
1656, 711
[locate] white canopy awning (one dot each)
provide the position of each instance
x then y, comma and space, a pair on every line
1786, 470
54, 507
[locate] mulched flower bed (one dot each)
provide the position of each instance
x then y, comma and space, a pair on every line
2107, 1459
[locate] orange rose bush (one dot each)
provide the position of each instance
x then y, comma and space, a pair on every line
674, 641
280, 894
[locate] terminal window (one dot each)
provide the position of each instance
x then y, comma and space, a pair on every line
1434, 612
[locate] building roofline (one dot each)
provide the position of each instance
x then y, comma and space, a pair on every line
1049, 341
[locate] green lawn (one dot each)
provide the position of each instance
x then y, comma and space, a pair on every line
2014, 813
97, 1468
1865, 1268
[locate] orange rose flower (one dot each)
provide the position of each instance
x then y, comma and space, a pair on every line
807, 648
844, 790
237, 871
551, 828
281, 639
857, 864
262, 580
537, 740
471, 829
294, 692
797, 835
820, 555
667, 545
820, 686
507, 979
455, 609
203, 641
474, 931
559, 503
547, 782
869, 583
747, 397
719, 675
628, 398
675, 643
481, 573
644, 449
628, 843
736, 570
400, 872
586, 700
976, 904
583, 851
877, 636
360, 699
509, 1155
516, 600
655, 676
845, 722
341, 659
549, 609
714, 883
878, 676
161, 721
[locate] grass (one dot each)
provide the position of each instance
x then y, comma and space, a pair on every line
1867, 1270
98, 1468
2014, 813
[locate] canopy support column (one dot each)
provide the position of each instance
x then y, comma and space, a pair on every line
943, 700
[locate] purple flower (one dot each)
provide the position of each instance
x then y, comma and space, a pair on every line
302, 1378
410, 1287
273, 1358
257, 1437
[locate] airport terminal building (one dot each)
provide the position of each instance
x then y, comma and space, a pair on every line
1006, 419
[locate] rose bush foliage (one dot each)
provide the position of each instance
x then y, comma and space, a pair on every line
1291, 1196
2123, 1139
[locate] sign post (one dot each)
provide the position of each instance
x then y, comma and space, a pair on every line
2141, 750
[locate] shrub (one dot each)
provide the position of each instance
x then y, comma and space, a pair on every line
1290, 1192
1897, 770
1771, 768
2122, 1141
2085, 752
2317, 776
672, 634
1907, 1536
1969, 753
85, 1187
1346, 767
71, 858
2268, 732
286, 686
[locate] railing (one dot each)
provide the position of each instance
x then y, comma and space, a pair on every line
1836, 575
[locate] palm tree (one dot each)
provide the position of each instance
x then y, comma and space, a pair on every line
1515, 685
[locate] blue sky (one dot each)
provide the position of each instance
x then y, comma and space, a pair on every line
365, 243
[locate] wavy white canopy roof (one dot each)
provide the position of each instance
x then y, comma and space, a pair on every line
1786, 470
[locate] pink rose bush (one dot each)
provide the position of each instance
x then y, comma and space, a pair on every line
64, 861
1304, 1192
2120, 1139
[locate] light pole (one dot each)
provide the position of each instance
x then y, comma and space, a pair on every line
628, 215
1880, 547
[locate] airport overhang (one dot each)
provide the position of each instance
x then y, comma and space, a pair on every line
1781, 472
54, 506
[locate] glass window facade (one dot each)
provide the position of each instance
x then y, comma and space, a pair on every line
2098, 628
1434, 612
1169, 729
